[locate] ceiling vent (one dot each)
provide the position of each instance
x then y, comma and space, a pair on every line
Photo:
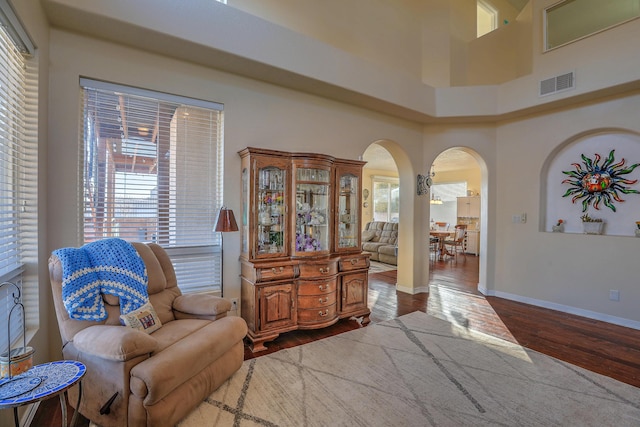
557, 84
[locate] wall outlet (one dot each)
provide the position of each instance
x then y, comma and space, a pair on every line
614, 295
234, 304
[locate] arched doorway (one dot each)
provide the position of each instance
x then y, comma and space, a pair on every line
404, 210
456, 198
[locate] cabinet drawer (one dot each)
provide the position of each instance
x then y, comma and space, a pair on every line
316, 301
355, 262
316, 287
315, 315
279, 272
317, 270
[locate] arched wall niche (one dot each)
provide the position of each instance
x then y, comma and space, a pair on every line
568, 157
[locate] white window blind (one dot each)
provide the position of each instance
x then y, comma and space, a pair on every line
153, 173
386, 198
18, 179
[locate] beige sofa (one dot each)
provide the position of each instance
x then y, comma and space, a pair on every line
380, 239
158, 377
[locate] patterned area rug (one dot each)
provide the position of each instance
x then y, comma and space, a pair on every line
379, 267
416, 370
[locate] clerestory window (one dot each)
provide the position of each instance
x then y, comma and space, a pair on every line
486, 18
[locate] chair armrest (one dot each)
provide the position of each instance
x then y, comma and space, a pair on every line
112, 342
200, 306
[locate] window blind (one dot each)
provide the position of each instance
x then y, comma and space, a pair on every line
153, 166
386, 198
18, 179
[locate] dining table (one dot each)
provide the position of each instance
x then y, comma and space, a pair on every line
442, 235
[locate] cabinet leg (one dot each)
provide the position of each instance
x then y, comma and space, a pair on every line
256, 344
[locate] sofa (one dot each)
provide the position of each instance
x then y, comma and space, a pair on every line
380, 239
137, 378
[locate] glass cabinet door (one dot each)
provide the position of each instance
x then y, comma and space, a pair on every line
270, 211
348, 211
312, 220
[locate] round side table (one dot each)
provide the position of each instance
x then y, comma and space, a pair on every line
43, 382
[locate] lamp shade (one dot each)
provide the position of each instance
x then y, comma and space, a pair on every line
226, 221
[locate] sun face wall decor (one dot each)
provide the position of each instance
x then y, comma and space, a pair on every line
597, 183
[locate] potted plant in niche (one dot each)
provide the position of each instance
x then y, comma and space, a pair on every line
591, 225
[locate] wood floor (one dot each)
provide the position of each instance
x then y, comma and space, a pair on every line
600, 347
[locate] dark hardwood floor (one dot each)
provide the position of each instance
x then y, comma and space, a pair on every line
597, 346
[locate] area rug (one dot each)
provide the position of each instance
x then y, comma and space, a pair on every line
380, 267
416, 370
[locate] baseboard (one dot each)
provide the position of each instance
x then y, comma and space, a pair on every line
483, 289
565, 309
413, 291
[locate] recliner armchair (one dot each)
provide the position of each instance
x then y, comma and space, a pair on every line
159, 378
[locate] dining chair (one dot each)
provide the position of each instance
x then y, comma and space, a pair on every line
456, 244
442, 226
434, 248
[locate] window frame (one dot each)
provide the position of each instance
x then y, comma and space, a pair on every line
197, 257
19, 188
565, 3
387, 180
491, 12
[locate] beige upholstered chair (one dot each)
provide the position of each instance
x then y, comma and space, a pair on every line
154, 379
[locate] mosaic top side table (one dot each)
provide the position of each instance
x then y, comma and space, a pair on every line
40, 383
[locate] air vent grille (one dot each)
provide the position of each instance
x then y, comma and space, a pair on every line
557, 84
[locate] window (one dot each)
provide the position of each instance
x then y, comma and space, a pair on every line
572, 20
448, 193
153, 167
487, 19
386, 199
18, 178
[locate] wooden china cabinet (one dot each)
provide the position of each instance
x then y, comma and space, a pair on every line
302, 264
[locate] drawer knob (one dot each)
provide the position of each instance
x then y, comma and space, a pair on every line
274, 271
354, 261
326, 300
323, 314
322, 288
324, 270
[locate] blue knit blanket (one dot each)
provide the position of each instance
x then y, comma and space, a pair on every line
108, 266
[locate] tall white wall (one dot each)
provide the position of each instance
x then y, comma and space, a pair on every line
572, 272
385, 33
256, 114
